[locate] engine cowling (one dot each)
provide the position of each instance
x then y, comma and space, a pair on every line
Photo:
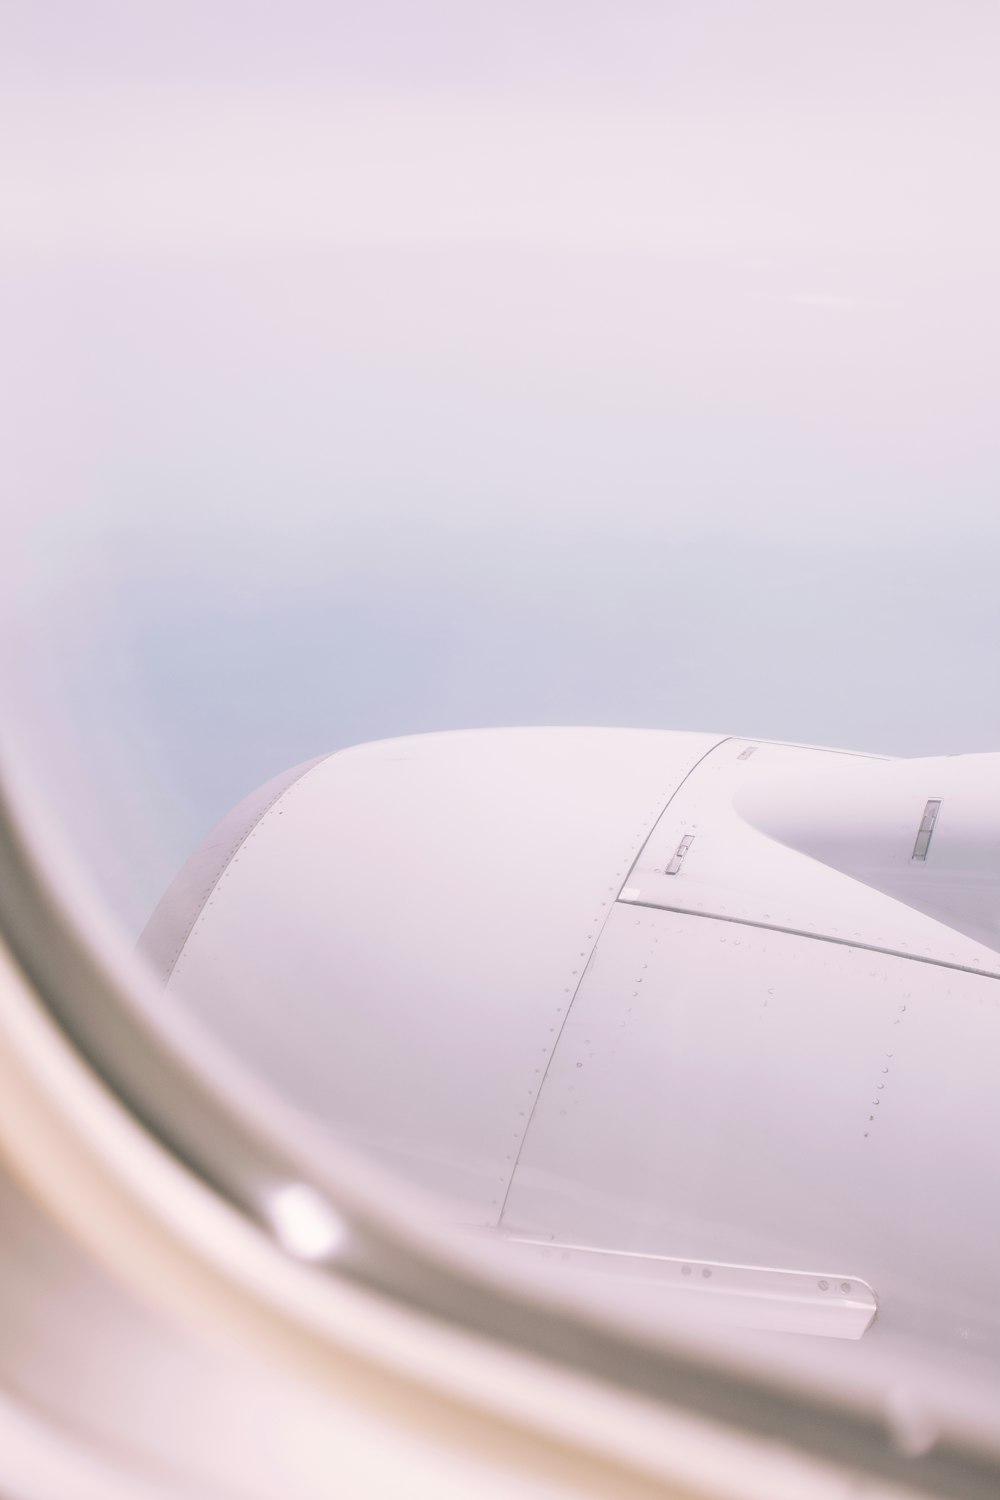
637, 998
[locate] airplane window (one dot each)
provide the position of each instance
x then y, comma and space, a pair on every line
488, 497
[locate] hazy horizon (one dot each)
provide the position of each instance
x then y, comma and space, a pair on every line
367, 376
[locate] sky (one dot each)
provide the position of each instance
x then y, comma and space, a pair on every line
386, 368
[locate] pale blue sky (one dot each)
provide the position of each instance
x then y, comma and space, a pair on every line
376, 369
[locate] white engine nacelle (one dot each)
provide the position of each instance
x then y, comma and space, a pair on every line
690, 1006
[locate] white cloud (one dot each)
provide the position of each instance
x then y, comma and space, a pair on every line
177, 170
832, 300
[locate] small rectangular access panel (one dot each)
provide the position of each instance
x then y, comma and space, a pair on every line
925, 830
778, 1301
679, 853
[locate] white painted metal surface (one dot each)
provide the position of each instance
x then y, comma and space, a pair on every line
757, 1297
399, 938
750, 822
925, 831
723, 1093
606, 990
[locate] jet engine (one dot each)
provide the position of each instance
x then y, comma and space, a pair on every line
716, 1018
